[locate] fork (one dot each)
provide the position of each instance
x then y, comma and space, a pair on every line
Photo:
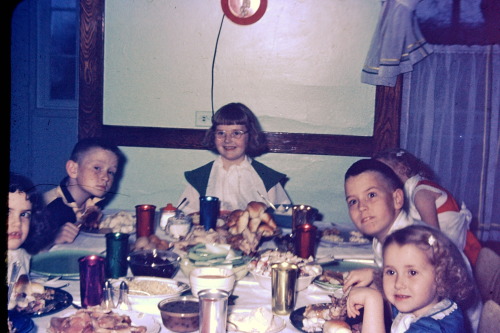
346, 294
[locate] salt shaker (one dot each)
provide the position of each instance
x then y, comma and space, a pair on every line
123, 302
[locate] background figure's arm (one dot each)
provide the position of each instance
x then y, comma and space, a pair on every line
359, 277
67, 233
425, 202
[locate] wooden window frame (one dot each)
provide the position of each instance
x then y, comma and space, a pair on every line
90, 113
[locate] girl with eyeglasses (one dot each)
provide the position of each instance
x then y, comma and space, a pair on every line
234, 176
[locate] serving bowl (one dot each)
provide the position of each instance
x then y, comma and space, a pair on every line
211, 278
159, 263
194, 260
180, 314
145, 292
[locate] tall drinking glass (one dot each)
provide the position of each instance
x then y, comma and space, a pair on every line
302, 214
284, 287
209, 211
92, 278
145, 220
116, 254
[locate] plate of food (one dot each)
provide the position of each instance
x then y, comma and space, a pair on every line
114, 320
331, 281
260, 267
314, 318
259, 320
96, 224
59, 263
335, 237
34, 300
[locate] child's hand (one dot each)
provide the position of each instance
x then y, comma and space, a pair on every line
359, 277
371, 299
67, 233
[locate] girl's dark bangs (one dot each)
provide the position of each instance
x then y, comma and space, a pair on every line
231, 118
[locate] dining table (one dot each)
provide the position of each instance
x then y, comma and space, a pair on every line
247, 293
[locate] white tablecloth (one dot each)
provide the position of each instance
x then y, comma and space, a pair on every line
250, 293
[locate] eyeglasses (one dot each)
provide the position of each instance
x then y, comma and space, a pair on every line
221, 135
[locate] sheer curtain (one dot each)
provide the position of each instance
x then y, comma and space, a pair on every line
397, 44
450, 119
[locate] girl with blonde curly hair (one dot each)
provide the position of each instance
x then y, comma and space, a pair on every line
424, 278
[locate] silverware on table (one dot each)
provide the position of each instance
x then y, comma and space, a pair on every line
180, 204
267, 200
16, 268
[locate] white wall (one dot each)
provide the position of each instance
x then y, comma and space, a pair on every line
297, 68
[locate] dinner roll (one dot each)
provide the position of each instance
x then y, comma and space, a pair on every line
242, 222
336, 326
25, 286
265, 230
269, 220
253, 225
233, 217
255, 209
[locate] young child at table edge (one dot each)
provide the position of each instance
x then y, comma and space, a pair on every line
91, 170
376, 203
26, 226
234, 177
424, 276
430, 202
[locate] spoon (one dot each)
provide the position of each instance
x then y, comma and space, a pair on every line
180, 204
267, 200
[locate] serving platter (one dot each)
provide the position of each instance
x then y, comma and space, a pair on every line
62, 300
137, 319
59, 263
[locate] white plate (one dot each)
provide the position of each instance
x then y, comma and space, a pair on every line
92, 234
343, 244
137, 318
277, 325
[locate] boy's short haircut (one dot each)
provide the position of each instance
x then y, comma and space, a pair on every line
84, 145
374, 165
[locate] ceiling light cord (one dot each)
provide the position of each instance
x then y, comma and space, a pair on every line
213, 65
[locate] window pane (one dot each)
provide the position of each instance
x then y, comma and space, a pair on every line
63, 32
62, 78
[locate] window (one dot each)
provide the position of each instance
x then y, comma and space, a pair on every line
58, 54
